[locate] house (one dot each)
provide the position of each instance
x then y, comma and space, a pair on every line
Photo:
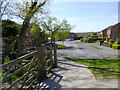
72, 35
111, 32
104, 33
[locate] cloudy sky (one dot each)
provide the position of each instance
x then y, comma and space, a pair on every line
86, 16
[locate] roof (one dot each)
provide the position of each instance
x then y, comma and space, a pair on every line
27, 35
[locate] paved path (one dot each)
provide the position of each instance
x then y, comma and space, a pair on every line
70, 74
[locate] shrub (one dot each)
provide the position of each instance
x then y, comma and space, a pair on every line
81, 39
110, 45
96, 39
10, 28
86, 40
118, 38
14, 77
116, 46
116, 42
112, 41
6, 59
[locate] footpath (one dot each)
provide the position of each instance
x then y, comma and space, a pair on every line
70, 74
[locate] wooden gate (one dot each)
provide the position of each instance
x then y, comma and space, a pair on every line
29, 69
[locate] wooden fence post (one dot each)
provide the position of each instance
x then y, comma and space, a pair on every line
41, 62
18, 40
55, 56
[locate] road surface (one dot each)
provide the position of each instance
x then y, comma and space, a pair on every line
85, 51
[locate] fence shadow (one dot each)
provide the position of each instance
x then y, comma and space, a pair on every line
51, 82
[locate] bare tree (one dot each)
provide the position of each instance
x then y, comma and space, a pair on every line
3, 7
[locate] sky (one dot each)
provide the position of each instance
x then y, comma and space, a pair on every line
86, 16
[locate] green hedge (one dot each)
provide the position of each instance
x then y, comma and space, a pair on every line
110, 45
116, 46
116, 42
81, 39
96, 39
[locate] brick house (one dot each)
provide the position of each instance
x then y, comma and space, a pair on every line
111, 32
114, 31
104, 33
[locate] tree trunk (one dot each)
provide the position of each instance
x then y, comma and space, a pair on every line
32, 10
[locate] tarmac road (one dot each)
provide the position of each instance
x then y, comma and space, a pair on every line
85, 51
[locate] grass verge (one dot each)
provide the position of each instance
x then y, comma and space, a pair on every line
95, 47
101, 68
79, 42
60, 45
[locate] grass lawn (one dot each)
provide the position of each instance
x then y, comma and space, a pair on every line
101, 68
60, 45
79, 42
95, 47
117, 56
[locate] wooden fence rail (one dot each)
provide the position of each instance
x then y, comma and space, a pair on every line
26, 70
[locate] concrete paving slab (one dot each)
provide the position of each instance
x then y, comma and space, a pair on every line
70, 74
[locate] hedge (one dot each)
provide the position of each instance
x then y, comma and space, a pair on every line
110, 45
116, 46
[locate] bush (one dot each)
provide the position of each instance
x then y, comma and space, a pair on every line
118, 38
6, 59
10, 28
110, 45
116, 42
116, 46
96, 39
86, 40
112, 41
81, 39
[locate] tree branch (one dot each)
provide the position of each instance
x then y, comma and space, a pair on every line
2, 13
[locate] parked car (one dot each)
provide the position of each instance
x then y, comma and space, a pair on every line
71, 39
48, 44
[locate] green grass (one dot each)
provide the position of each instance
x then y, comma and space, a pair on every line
60, 45
79, 42
95, 47
117, 56
101, 68
1, 75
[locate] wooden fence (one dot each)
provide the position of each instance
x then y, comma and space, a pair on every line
26, 70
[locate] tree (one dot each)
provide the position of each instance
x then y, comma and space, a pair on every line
25, 10
35, 31
10, 28
4, 4
54, 27
61, 36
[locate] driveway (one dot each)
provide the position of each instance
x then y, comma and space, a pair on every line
85, 51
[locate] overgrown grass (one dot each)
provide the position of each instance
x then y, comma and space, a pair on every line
95, 47
101, 68
117, 56
60, 45
79, 42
